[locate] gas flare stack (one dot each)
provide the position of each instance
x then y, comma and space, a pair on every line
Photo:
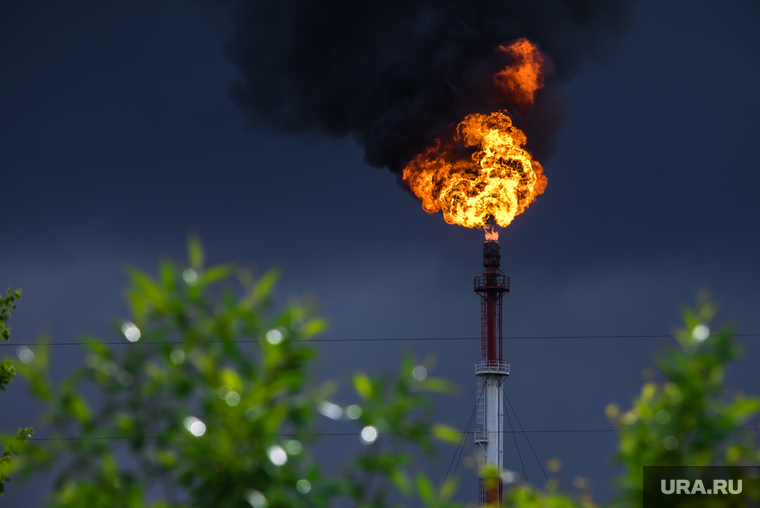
490, 373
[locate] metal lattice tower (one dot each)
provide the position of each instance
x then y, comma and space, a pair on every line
491, 372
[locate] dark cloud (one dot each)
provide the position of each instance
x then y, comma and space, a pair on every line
393, 73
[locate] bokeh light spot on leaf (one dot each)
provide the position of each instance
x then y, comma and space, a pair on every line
293, 447
700, 333
194, 426
662, 416
303, 486
232, 398
257, 499
369, 434
25, 354
274, 336
130, 331
330, 410
177, 356
419, 372
277, 455
353, 412
190, 276
670, 442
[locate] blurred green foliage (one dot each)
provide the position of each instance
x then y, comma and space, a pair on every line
688, 416
684, 415
213, 405
11, 444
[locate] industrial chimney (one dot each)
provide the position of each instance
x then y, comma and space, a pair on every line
490, 373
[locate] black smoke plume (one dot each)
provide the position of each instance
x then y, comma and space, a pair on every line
392, 73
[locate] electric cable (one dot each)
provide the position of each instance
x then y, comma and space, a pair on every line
357, 434
455, 468
518, 449
528, 440
461, 440
466, 431
374, 339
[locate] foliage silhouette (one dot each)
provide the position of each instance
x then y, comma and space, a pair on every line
201, 416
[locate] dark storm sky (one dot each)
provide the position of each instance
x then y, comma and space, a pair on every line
117, 139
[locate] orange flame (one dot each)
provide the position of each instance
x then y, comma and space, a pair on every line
497, 182
500, 179
520, 80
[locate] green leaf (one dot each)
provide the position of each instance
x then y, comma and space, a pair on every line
167, 272
96, 345
230, 379
264, 287
275, 417
214, 274
125, 423
35, 373
424, 488
166, 458
437, 385
401, 480
41, 352
314, 327
744, 408
446, 433
76, 405
449, 486
363, 385
146, 289
196, 256
407, 365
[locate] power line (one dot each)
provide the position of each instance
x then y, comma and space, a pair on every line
514, 435
379, 339
358, 434
461, 440
528, 440
446, 500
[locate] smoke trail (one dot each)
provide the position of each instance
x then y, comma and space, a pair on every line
395, 72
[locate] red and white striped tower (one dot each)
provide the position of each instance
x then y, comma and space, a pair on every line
491, 372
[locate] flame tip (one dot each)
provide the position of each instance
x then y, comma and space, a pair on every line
492, 235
